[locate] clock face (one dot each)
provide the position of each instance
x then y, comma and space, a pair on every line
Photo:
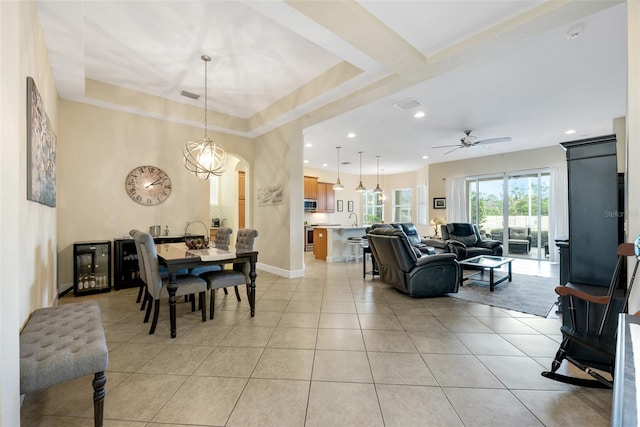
148, 185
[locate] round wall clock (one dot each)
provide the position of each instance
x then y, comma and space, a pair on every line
148, 185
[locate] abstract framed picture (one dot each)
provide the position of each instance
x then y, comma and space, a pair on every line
350, 206
339, 205
439, 203
41, 150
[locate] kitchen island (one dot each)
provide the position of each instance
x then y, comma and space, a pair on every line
330, 241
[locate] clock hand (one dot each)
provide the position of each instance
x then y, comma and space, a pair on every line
154, 182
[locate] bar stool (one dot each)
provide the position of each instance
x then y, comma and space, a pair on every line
354, 244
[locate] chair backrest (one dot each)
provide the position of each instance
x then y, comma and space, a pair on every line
411, 231
245, 239
143, 274
150, 263
391, 248
222, 237
464, 232
520, 233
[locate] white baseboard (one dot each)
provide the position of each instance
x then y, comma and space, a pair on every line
289, 274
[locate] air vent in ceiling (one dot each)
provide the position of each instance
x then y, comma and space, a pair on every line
407, 104
345, 163
189, 95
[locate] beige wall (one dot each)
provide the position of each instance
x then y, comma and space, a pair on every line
509, 162
27, 229
98, 147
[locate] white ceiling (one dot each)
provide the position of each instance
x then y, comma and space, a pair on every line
499, 68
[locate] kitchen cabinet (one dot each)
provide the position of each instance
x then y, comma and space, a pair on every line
320, 243
310, 187
326, 197
212, 234
91, 267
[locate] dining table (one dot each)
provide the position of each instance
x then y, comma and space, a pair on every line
177, 256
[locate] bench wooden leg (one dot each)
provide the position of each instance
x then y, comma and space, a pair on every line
99, 380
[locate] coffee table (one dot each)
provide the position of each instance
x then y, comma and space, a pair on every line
488, 262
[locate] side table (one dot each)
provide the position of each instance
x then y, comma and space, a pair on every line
366, 249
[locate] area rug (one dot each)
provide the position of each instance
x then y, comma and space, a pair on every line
526, 294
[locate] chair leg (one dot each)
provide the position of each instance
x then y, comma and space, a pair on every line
144, 302
99, 380
156, 311
225, 291
192, 298
237, 293
140, 292
203, 306
149, 300
212, 302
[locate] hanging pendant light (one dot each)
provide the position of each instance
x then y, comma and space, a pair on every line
360, 188
377, 190
204, 158
338, 185
382, 196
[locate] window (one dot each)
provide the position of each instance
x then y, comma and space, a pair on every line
423, 207
213, 190
401, 208
372, 207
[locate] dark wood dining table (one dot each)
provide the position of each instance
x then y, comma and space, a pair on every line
176, 256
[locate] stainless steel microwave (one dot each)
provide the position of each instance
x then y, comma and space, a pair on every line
310, 205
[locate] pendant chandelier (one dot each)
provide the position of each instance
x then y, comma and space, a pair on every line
338, 185
377, 190
204, 158
382, 196
360, 188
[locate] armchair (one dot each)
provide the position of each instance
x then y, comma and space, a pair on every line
519, 239
465, 241
414, 237
400, 266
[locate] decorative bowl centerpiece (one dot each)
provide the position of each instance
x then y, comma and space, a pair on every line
196, 242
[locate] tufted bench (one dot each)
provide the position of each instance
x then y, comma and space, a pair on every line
61, 343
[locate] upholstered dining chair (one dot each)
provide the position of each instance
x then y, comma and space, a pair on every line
220, 241
157, 286
235, 277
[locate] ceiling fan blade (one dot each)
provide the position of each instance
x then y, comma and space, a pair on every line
446, 146
492, 140
457, 148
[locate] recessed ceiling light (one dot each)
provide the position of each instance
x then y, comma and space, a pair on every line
308, 144
306, 161
419, 114
351, 135
570, 131
425, 157
324, 165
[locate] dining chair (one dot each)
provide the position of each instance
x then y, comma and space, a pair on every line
221, 241
238, 275
157, 286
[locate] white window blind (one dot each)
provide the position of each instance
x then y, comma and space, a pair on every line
213, 190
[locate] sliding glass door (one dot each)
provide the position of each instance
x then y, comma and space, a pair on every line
519, 200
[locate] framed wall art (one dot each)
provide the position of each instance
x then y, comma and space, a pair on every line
350, 206
269, 195
439, 203
339, 206
41, 150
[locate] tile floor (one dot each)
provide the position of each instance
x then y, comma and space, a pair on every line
329, 349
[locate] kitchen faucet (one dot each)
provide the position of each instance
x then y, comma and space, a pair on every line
355, 224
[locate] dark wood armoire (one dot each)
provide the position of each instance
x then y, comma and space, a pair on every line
594, 213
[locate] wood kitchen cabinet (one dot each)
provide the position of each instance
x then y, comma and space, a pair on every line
320, 243
310, 187
326, 197
241, 200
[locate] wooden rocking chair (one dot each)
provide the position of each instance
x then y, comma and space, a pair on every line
590, 325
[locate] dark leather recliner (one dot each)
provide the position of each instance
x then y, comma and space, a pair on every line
399, 265
414, 237
465, 241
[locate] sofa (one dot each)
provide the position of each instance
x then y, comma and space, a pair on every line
465, 241
410, 271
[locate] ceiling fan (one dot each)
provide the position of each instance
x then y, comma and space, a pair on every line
471, 141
